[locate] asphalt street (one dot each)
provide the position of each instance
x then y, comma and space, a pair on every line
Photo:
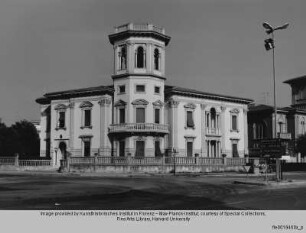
37, 191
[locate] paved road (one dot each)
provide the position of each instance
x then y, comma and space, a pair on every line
42, 191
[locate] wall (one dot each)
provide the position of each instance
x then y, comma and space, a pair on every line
198, 133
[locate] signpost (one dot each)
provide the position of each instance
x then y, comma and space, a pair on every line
275, 149
272, 147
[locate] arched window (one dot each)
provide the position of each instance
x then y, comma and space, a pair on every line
140, 57
122, 58
156, 59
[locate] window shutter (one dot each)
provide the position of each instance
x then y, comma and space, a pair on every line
87, 119
190, 122
189, 149
122, 115
140, 115
157, 116
234, 122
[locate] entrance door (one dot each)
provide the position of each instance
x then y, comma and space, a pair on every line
189, 149
140, 148
235, 150
63, 149
121, 148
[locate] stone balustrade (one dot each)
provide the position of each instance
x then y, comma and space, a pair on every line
138, 127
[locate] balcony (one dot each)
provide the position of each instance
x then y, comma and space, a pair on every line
139, 27
284, 135
135, 128
213, 132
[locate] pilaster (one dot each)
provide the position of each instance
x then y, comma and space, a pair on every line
245, 126
223, 108
105, 147
203, 137
71, 127
173, 110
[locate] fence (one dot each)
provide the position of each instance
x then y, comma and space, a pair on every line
8, 161
34, 163
25, 163
156, 161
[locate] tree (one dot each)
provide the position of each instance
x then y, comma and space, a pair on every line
26, 139
301, 145
3, 130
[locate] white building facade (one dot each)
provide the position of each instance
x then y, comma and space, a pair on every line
139, 115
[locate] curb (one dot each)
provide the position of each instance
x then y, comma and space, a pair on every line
272, 183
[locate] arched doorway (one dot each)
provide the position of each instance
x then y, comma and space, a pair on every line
63, 150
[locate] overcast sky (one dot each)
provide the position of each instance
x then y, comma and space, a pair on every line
217, 46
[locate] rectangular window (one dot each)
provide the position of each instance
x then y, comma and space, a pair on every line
157, 114
121, 148
140, 88
87, 117
140, 149
121, 115
157, 149
61, 120
234, 122
86, 148
140, 115
121, 89
235, 150
189, 149
157, 90
190, 122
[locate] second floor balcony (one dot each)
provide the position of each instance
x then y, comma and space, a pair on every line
284, 135
131, 128
213, 131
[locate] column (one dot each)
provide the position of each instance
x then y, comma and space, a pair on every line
173, 104
203, 141
105, 121
223, 133
71, 127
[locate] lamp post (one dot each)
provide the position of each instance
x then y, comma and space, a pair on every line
269, 44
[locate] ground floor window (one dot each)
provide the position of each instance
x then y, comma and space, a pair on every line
157, 149
140, 149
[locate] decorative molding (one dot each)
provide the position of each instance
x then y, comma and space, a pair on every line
190, 136
223, 108
86, 136
173, 103
120, 103
43, 113
190, 105
71, 105
60, 107
235, 110
234, 139
140, 102
158, 103
86, 104
203, 106
106, 101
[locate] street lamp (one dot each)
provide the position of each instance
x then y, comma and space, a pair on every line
269, 44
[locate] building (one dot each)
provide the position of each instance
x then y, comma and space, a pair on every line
290, 121
139, 115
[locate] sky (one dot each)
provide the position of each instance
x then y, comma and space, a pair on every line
216, 46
